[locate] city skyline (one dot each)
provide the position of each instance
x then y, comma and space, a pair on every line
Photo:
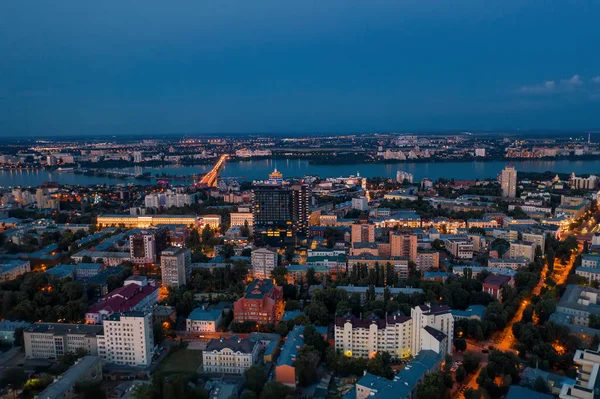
382, 66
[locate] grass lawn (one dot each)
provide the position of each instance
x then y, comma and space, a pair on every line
182, 360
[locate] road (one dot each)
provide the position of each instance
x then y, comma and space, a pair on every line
210, 179
504, 340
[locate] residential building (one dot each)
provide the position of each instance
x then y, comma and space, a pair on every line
587, 384
590, 273
229, 355
510, 263
204, 320
128, 339
400, 336
522, 249
262, 303
403, 244
585, 183
591, 261
175, 266
433, 329
508, 182
263, 262
10, 270
494, 284
427, 260
459, 247
401, 176
131, 296
52, 340
379, 291
579, 303
241, 218
363, 232
84, 271
88, 369
404, 383
360, 203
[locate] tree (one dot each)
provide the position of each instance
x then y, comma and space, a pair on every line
310, 276
282, 329
471, 362
227, 251
159, 333
594, 321
381, 365
431, 387
279, 273
540, 385
437, 244
586, 248
460, 374
305, 365
550, 259
460, 344
276, 390
317, 312
255, 379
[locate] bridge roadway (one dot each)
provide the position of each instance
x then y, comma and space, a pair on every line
210, 179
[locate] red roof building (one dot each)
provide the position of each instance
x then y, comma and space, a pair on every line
262, 303
493, 285
137, 294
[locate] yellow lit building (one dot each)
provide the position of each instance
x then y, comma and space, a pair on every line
144, 221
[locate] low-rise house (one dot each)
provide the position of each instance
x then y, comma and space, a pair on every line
494, 284
204, 320
10, 270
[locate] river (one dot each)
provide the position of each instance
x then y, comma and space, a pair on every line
260, 169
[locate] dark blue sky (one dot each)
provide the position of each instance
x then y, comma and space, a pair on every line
149, 67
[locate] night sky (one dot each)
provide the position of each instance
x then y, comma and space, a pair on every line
74, 67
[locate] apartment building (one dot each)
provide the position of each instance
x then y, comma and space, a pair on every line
513, 264
522, 249
175, 266
427, 260
587, 384
230, 355
145, 221
52, 340
241, 218
128, 339
262, 302
459, 247
403, 244
363, 232
263, 262
10, 270
428, 328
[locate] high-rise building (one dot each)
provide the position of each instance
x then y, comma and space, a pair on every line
175, 266
145, 245
142, 248
128, 339
363, 231
508, 182
280, 211
263, 262
404, 244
